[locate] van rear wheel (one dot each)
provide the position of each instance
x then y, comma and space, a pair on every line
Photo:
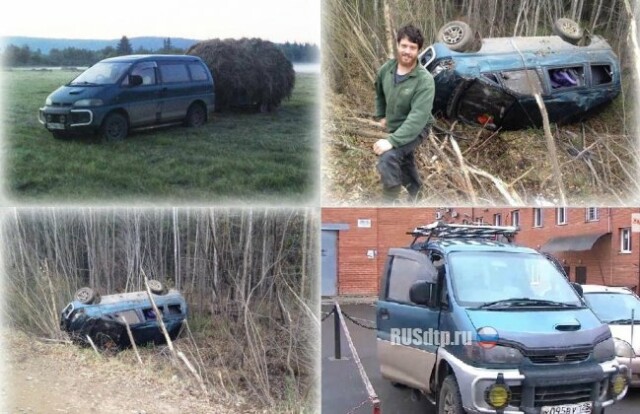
196, 116
568, 30
114, 127
449, 400
86, 296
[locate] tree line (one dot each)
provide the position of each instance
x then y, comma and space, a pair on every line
17, 56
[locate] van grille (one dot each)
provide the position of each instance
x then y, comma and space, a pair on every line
558, 359
554, 395
61, 104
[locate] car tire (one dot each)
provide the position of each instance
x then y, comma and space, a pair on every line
86, 296
457, 35
196, 116
568, 30
156, 287
449, 400
115, 127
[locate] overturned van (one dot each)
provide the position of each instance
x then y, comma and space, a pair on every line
494, 83
125, 92
104, 318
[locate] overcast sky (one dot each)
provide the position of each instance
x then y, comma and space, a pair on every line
275, 20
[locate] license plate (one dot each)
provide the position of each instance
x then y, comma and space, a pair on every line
54, 125
581, 408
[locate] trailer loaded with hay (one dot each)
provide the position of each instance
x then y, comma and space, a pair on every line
248, 73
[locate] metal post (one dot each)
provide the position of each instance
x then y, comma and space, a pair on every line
336, 333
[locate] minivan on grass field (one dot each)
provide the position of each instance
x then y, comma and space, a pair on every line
125, 92
513, 335
492, 82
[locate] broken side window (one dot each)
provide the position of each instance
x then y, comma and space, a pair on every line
601, 74
566, 77
130, 316
174, 309
149, 314
491, 77
522, 82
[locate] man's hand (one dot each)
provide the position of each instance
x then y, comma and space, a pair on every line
381, 146
383, 123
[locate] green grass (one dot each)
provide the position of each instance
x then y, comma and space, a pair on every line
235, 156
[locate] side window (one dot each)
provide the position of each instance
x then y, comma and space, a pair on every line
174, 72
569, 77
198, 72
522, 82
404, 273
601, 74
147, 70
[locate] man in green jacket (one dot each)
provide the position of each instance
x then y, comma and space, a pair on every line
404, 99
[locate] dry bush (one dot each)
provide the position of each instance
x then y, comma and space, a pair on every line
247, 72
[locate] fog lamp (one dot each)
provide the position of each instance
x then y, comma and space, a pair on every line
497, 396
618, 384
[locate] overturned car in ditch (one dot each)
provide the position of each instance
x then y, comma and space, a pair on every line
492, 82
102, 318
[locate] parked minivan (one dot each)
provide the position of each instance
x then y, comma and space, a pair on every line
481, 325
125, 92
494, 85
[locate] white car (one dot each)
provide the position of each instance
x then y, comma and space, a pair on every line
619, 307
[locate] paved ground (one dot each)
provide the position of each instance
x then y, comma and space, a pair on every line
342, 388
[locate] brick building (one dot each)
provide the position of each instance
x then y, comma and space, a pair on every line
595, 245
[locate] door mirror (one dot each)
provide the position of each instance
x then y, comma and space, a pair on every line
423, 293
578, 288
135, 80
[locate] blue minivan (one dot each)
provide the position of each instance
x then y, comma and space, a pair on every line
125, 92
494, 85
480, 325
104, 318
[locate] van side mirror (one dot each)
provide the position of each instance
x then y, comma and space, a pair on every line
578, 288
135, 80
423, 293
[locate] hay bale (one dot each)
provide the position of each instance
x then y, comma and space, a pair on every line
247, 72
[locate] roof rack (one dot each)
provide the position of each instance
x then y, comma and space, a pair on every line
443, 230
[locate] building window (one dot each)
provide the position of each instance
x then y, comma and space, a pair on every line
515, 218
561, 215
592, 214
479, 221
537, 217
625, 240
497, 219
438, 215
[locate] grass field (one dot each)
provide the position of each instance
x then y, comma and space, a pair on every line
235, 156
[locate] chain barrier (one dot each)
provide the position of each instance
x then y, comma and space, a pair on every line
326, 315
360, 324
359, 406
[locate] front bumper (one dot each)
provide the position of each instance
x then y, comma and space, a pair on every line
533, 388
634, 367
65, 119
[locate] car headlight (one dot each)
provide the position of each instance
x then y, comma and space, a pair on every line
496, 355
48, 101
623, 349
605, 350
88, 102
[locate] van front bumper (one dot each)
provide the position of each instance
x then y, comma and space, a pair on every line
66, 119
534, 388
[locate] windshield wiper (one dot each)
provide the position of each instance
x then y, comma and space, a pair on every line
524, 302
623, 322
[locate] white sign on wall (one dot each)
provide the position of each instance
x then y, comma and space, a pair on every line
635, 222
364, 223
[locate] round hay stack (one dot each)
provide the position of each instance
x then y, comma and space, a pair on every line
247, 72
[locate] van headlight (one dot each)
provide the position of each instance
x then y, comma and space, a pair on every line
48, 101
88, 102
623, 349
604, 351
496, 355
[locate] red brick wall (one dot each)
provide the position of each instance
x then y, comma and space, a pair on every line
359, 275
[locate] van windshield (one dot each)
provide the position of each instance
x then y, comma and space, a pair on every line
615, 308
500, 280
102, 73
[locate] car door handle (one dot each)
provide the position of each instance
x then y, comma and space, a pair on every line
384, 314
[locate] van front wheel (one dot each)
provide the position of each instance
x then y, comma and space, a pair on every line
196, 116
114, 127
568, 30
449, 400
